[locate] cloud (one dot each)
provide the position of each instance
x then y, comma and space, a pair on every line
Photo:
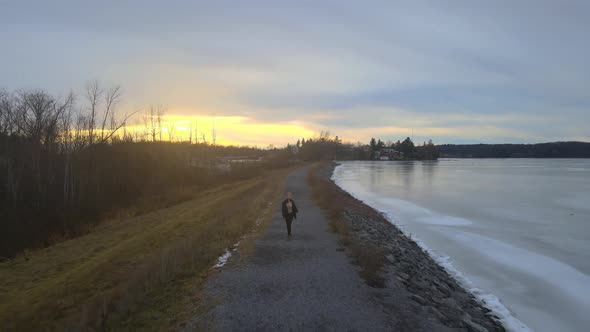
460, 71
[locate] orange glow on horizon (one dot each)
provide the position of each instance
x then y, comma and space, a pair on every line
228, 130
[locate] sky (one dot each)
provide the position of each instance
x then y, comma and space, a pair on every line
270, 72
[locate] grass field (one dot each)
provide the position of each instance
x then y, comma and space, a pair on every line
139, 273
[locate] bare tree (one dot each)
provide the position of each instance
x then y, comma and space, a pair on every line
171, 131
196, 132
153, 119
38, 115
93, 95
6, 112
66, 130
10, 181
150, 121
80, 137
125, 137
111, 98
115, 126
68, 147
40, 118
160, 112
213, 131
146, 125
3, 116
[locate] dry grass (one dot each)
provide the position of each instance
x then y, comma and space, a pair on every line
144, 204
133, 273
332, 201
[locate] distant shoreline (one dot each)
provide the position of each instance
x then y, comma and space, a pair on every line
454, 157
539, 150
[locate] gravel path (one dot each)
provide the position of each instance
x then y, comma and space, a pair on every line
308, 283
302, 283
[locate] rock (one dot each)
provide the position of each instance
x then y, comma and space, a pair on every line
473, 326
418, 298
421, 284
436, 299
437, 314
404, 276
443, 288
450, 303
449, 307
390, 258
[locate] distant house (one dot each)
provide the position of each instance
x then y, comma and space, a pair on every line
222, 166
388, 154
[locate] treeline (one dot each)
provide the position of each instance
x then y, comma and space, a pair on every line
326, 147
403, 150
64, 165
541, 150
323, 147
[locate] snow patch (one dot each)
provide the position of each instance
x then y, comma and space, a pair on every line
222, 260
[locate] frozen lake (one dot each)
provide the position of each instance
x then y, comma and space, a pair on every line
513, 229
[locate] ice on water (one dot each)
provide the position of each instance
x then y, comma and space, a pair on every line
514, 232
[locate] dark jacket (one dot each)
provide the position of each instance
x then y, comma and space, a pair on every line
286, 211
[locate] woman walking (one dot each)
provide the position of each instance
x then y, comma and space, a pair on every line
289, 211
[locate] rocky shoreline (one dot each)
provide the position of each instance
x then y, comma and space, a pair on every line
415, 285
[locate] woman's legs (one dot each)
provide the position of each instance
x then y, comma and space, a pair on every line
289, 220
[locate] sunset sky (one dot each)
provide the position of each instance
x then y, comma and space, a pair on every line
270, 72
